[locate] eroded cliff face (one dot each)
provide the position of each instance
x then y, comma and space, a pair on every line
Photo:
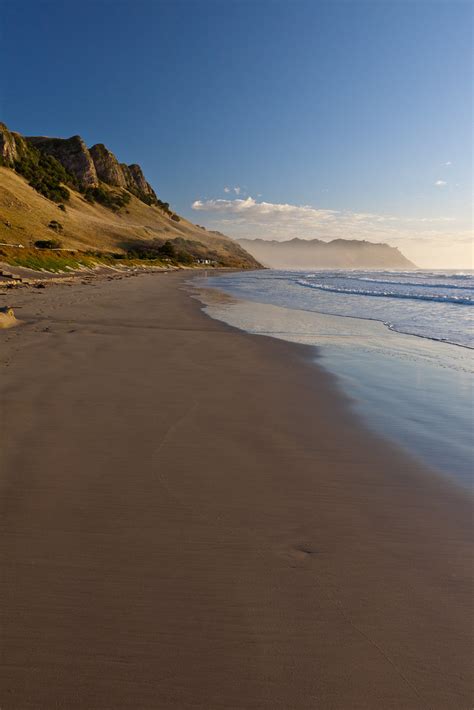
8, 146
107, 166
89, 166
137, 183
73, 155
129, 177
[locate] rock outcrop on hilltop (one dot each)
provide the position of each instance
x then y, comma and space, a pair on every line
107, 166
128, 177
8, 147
43, 172
73, 155
87, 166
137, 184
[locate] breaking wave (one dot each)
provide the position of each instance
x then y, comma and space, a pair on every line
462, 300
421, 303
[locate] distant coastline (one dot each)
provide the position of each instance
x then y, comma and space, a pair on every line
315, 253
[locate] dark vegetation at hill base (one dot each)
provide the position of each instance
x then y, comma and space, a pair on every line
179, 250
49, 255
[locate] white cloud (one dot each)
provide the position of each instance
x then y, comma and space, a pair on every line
235, 189
448, 163
440, 183
281, 217
265, 211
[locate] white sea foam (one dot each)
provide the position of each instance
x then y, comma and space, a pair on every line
431, 304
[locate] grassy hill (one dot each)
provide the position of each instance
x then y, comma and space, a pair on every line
25, 216
101, 218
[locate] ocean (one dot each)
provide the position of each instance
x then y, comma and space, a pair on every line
400, 344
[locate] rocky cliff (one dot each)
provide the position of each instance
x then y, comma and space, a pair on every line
73, 155
88, 167
8, 147
107, 166
129, 177
316, 254
137, 184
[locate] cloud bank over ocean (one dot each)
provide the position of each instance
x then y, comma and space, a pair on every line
425, 239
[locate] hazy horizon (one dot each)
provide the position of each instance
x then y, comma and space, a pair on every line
266, 119
321, 238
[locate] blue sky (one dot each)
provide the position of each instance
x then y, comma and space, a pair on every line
330, 118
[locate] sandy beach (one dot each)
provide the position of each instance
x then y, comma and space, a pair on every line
192, 518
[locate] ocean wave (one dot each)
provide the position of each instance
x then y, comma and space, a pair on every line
411, 283
415, 310
434, 297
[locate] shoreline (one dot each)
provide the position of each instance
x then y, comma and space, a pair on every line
191, 521
375, 367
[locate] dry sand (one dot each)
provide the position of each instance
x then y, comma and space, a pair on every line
192, 519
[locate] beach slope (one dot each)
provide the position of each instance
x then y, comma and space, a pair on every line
193, 518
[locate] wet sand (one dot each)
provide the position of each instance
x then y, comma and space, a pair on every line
191, 518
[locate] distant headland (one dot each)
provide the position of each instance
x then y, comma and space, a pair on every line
318, 254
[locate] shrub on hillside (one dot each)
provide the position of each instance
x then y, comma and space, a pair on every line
165, 206
107, 198
147, 199
55, 226
48, 244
